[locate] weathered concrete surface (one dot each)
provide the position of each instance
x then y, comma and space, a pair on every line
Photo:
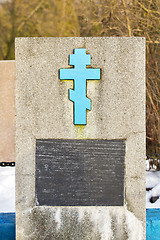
7, 81
44, 111
87, 223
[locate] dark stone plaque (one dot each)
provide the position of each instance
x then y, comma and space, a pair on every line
80, 172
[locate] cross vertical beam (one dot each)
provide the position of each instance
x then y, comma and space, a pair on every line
80, 74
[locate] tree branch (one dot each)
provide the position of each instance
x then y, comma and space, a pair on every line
20, 27
128, 21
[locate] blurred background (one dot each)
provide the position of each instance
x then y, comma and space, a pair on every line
108, 18
79, 18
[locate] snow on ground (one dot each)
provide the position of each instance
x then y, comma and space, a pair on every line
153, 183
7, 189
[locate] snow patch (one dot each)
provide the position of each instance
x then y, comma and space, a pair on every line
58, 218
7, 189
153, 183
152, 179
80, 214
147, 165
102, 220
135, 227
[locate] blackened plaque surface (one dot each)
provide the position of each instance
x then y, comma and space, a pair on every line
80, 172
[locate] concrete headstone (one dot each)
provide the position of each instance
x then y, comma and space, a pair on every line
55, 151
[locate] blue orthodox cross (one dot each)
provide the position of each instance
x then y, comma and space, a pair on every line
80, 74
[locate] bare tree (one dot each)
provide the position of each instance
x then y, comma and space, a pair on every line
20, 18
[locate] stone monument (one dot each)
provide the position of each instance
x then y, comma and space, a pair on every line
7, 77
80, 138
